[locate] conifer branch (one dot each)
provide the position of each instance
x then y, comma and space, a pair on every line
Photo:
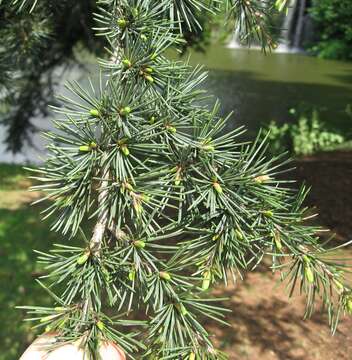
188, 202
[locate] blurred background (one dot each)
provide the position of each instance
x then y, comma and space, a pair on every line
300, 95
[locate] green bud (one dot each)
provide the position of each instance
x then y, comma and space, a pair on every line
100, 325
94, 112
93, 145
309, 274
84, 148
152, 120
209, 148
216, 237
125, 150
121, 23
135, 12
60, 309
87, 148
268, 213
206, 280
139, 244
149, 78
217, 187
143, 37
149, 70
125, 111
153, 56
83, 258
261, 179
48, 328
132, 275
171, 129
126, 63
164, 276
239, 234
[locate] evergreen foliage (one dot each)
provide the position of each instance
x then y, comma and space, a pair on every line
172, 203
36, 42
332, 19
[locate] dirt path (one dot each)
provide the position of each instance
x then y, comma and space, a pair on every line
266, 325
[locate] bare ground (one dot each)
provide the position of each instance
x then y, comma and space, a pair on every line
265, 324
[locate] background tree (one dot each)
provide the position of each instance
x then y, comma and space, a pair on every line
165, 201
38, 40
54, 35
332, 21
35, 43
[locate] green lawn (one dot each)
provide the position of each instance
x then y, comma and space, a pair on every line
12, 177
21, 231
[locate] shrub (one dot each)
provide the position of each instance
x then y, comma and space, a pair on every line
332, 19
306, 137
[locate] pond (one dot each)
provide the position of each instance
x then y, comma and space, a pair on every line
257, 87
260, 88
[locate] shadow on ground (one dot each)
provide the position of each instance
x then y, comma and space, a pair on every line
266, 325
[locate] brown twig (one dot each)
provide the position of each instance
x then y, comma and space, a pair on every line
101, 225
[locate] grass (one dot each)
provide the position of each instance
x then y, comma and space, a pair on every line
21, 231
13, 177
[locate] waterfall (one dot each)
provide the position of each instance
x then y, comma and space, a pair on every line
235, 42
294, 28
288, 27
298, 37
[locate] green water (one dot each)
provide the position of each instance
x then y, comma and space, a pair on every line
260, 88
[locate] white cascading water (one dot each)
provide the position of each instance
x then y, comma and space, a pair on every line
288, 28
292, 32
298, 36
